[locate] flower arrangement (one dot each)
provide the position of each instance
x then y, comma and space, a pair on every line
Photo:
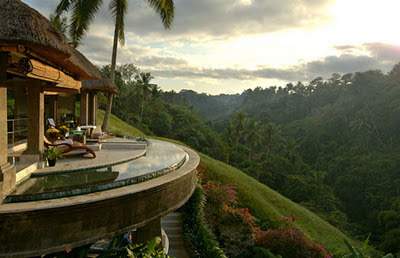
63, 130
53, 134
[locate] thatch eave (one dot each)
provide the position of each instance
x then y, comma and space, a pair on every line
102, 85
21, 25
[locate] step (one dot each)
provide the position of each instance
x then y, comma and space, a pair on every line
174, 237
178, 253
173, 225
177, 215
172, 229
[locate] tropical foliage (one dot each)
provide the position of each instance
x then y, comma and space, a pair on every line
330, 145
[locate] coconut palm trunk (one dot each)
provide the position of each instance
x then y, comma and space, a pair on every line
112, 72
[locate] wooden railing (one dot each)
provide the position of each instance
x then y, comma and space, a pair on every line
17, 127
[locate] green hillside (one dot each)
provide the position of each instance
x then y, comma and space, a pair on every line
264, 203
268, 205
119, 127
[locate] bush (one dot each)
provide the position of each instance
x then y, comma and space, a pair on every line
199, 241
289, 241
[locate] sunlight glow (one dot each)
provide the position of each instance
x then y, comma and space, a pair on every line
246, 2
366, 20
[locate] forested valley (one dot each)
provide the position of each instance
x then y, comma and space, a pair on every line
332, 145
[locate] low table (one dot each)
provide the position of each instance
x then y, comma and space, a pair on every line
78, 136
88, 127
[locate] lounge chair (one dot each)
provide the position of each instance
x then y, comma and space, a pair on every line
50, 123
66, 147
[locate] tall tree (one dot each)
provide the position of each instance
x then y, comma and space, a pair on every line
143, 79
270, 134
253, 134
83, 12
239, 123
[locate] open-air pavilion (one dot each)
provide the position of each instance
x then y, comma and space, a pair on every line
34, 59
89, 98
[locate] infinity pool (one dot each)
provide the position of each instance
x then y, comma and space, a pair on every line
161, 158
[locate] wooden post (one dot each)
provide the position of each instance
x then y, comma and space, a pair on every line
84, 108
7, 171
36, 129
93, 108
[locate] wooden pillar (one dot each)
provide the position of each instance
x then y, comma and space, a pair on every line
35, 121
93, 108
84, 108
147, 232
7, 171
96, 106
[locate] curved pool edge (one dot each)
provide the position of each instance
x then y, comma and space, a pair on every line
79, 220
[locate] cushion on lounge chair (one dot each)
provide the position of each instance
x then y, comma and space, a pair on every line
66, 147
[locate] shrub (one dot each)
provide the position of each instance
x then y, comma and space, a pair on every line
199, 240
289, 241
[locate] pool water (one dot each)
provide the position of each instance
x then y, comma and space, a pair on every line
161, 158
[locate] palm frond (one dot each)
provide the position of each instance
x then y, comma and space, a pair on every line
118, 9
63, 6
166, 10
60, 23
83, 12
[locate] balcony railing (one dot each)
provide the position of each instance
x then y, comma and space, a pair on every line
17, 129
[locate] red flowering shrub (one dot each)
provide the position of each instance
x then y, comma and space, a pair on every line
286, 241
289, 241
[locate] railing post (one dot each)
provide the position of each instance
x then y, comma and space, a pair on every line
13, 132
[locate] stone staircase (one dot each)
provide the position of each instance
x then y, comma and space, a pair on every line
172, 225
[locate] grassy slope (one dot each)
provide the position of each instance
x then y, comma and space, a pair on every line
263, 202
119, 127
266, 204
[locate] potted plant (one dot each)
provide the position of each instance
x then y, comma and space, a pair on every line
52, 154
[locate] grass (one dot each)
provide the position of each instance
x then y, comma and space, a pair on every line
119, 127
263, 202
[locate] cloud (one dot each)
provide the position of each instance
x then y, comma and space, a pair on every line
376, 56
200, 26
190, 83
209, 18
378, 50
160, 61
201, 20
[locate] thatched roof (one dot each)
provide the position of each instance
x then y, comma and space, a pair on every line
21, 25
104, 85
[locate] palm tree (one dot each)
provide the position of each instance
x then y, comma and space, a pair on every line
270, 136
60, 24
239, 123
253, 134
143, 79
230, 138
83, 12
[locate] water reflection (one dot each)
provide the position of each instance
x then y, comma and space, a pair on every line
160, 156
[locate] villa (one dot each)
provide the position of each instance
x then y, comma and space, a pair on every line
130, 185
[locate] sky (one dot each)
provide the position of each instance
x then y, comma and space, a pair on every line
228, 46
